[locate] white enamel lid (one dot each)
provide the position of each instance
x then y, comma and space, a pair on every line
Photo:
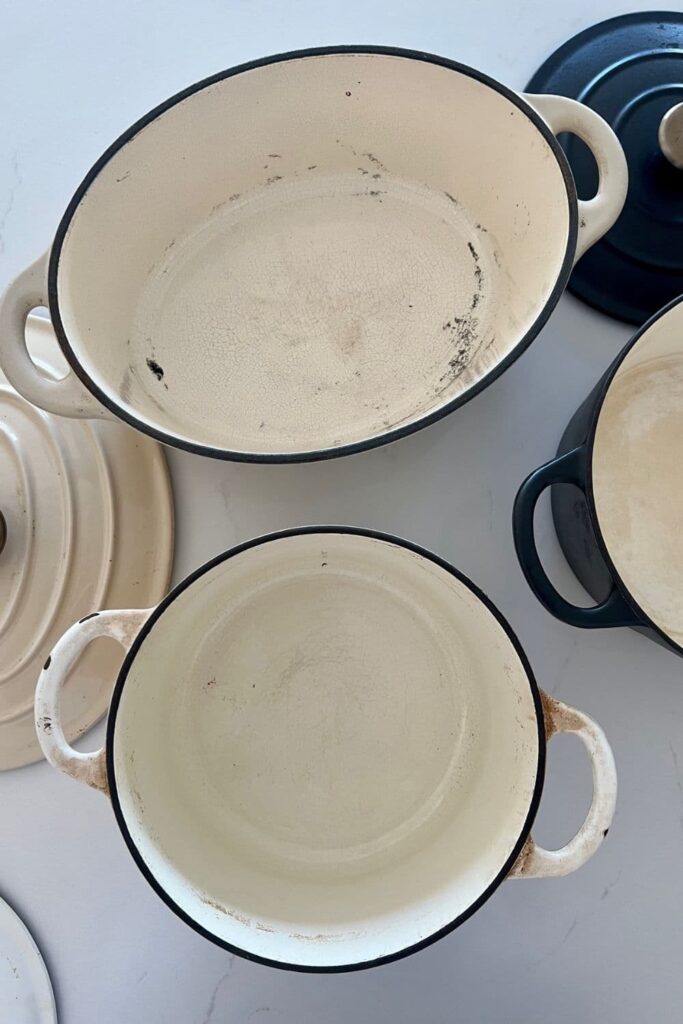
88, 517
25, 990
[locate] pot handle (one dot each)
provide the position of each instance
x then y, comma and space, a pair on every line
90, 768
65, 397
596, 215
569, 468
534, 861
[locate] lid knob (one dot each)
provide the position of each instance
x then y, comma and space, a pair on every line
671, 135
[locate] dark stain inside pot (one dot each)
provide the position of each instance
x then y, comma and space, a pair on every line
155, 368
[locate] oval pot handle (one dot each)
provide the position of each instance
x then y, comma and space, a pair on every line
534, 861
596, 215
569, 468
89, 768
65, 397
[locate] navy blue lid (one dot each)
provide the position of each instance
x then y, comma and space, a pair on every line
630, 70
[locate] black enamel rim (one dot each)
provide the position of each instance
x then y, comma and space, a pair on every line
149, 625
589, 443
367, 443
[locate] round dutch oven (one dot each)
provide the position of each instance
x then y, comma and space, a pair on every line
312, 254
325, 748
621, 525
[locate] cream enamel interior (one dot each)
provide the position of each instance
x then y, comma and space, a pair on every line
326, 749
313, 252
638, 473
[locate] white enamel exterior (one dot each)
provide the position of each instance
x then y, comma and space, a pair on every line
315, 253
89, 517
326, 749
638, 472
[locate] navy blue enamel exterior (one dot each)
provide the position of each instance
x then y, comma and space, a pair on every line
630, 70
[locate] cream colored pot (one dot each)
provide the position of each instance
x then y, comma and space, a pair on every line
325, 748
621, 525
312, 254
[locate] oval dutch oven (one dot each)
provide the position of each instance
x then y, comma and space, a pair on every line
312, 254
621, 525
325, 748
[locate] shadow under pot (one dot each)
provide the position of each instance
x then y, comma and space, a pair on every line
621, 525
325, 748
312, 254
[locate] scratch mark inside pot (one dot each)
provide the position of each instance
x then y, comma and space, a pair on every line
478, 275
126, 381
374, 160
13, 969
214, 904
321, 937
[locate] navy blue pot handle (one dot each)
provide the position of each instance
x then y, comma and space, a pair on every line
569, 468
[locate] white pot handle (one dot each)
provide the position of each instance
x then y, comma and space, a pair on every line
596, 215
120, 625
65, 397
534, 861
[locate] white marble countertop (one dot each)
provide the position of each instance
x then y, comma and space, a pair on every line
603, 944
